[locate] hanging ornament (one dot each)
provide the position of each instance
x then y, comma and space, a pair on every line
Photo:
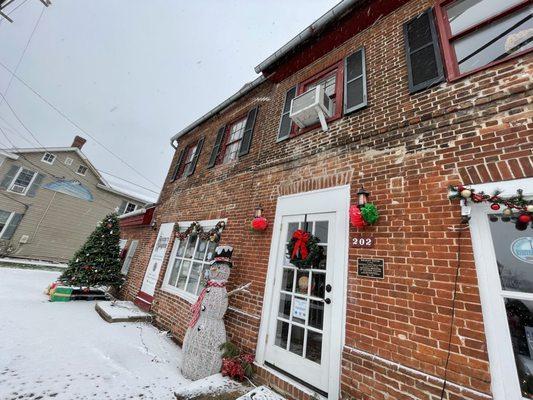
495, 206
370, 213
529, 208
465, 193
524, 218
259, 223
356, 219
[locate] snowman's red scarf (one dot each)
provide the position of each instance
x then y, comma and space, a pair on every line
197, 307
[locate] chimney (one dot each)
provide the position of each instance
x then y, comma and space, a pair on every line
78, 142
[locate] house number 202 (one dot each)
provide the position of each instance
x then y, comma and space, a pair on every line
363, 242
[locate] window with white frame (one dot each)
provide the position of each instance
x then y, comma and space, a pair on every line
4, 218
22, 181
187, 267
48, 158
68, 161
130, 207
234, 140
82, 170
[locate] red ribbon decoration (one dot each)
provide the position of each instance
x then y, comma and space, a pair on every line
300, 245
197, 307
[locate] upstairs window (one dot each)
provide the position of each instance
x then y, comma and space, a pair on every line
48, 158
130, 207
82, 170
68, 161
233, 144
22, 181
187, 160
479, 33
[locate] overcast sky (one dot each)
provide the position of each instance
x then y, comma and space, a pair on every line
132, 73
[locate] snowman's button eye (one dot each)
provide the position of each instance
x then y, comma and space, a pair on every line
208, 290
198, 328
203, 308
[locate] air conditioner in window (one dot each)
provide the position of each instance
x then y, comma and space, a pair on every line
311, 107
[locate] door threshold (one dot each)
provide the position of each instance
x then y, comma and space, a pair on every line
293, 380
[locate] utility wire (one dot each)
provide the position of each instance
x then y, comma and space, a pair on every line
67, 118
24, 51
125, 180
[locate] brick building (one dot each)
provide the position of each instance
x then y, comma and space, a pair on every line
421, 94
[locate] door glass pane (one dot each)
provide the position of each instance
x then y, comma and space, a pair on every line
282, 333
299, 310
287, 280
285, 306
313, 350
321, 264
321, 231
297, 340
293, 227
318, 284
316, 314
302, 282
514, 254
183, 274
520, 319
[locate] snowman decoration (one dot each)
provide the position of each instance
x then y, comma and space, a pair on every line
206, 332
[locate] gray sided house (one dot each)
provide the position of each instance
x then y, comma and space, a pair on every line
51, 200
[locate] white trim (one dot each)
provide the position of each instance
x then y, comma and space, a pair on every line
48, 162
127, 204
70, 161
138, 211
82, 166
16, 177
504, 382
338, 314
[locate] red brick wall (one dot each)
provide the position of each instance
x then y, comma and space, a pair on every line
406, 149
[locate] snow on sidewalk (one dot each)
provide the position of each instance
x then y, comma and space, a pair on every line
66, 351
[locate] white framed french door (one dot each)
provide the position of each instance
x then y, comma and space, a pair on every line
302, 329
503, 254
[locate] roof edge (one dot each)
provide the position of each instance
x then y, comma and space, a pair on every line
244, 90
307, 33
123, 194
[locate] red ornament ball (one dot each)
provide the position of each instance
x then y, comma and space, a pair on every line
259, 224
356, 219
524, 218
495, 206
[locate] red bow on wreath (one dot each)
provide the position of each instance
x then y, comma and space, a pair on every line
300, 246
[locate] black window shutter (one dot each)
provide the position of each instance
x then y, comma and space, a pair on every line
248, 132
355, 81
192, 167
285, 123
8, 178
178, 165
12, 227
35, 185
424, 63
216, 147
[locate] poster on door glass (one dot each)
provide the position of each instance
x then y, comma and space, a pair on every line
514, 254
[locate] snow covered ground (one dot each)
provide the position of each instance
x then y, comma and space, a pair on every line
66, 351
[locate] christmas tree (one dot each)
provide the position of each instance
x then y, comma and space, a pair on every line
97, 262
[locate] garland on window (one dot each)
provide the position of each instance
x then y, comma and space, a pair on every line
512, 204
195, 229
304, 250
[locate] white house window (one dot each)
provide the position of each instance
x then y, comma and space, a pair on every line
189, 261
68, 161
234, 140
130, 207
48, 158
22, 181
82, 170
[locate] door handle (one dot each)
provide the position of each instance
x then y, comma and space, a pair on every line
328, 288
327, 301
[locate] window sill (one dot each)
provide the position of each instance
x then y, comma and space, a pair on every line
19, 194
189, 297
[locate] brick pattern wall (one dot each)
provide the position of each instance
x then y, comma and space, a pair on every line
406, 149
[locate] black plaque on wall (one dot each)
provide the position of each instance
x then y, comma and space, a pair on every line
371, 268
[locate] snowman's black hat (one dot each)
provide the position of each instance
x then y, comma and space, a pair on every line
223, 254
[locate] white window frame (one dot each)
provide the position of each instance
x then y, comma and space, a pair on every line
82, 166
8, 221
46, 161
15, 179
129, 256
166, 287
126, 208
504, 382
68, 161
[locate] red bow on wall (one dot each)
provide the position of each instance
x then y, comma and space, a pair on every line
300, 246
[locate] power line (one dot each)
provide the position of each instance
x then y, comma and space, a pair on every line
24, 51
67, 118
125, 180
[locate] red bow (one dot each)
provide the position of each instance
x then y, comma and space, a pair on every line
300, 246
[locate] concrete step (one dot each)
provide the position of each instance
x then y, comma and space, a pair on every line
121, 311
